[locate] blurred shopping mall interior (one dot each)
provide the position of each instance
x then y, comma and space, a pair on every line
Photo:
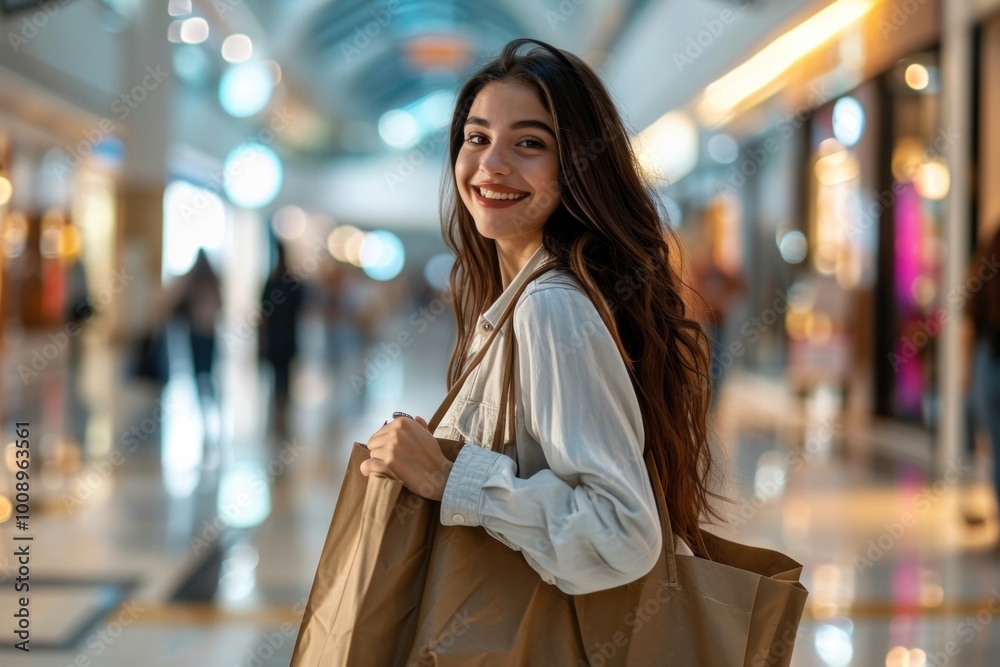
830, 166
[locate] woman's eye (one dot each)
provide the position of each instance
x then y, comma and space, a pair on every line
475, 139
532, 143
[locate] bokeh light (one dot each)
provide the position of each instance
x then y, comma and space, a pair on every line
916, 76
932, 180
668, 149
289, 222
398, 128
723, 149
848, 120
253, 175
438, 269
237, 48
193, 218
192, 64
179, 7
340, 239
381, 255
833, 644
793, 247
245, 89
275, 70
194, 30
6, 190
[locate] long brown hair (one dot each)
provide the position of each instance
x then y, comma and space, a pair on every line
609, 233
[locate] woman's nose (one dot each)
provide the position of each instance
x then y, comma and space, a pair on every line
494, 161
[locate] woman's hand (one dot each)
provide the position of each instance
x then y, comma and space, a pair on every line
405, 449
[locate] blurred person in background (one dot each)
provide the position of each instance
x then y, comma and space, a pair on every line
197, 298
716, 290
982, 347
278, 333
340, 333
77, 308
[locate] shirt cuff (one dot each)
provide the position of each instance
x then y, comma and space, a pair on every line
462, 491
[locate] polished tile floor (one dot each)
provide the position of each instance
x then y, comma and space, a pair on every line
168, 533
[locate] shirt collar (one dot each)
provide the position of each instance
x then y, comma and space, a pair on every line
489, 319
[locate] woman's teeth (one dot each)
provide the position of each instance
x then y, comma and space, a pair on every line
489, 194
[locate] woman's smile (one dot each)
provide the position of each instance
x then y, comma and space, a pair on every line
495, 195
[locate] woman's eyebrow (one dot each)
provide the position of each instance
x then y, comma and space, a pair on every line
478, 120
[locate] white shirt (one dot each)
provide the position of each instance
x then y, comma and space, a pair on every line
580, 508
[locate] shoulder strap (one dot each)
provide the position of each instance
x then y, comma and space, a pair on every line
508, 399
455, 388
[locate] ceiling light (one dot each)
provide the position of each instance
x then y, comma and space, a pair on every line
722, 97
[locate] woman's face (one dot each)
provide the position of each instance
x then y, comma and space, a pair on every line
507, 169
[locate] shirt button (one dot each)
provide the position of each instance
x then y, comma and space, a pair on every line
487, 326
457, 519
549, 579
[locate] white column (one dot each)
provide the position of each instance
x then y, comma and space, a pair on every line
142, 110
956, 77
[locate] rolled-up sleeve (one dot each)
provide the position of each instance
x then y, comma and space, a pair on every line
589, 522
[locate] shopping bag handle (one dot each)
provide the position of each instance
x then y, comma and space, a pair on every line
669, 548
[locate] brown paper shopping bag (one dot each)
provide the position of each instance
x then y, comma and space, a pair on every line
394, 587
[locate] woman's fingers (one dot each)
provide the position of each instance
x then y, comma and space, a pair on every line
422, 422
378, 438
376, 466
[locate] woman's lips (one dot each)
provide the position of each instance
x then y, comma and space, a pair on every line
494, 203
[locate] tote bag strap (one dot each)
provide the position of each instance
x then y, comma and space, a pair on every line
507, 398
457, 387
669, 548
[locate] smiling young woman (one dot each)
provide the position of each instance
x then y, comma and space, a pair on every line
573, 431
608, 365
